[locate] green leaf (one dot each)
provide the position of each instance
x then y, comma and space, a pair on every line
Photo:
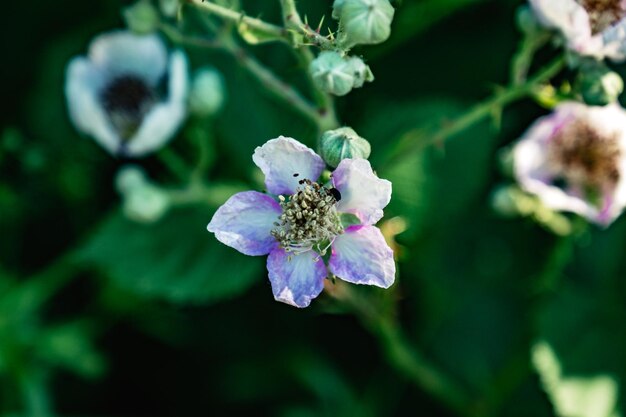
580, 352
175, 259
433, 185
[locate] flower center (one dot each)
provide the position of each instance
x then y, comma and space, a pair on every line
309, 219
127, 99
603, 13
585, 158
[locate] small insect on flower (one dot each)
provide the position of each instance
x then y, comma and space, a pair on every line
595, 28
129, 93
575, 160
298, 226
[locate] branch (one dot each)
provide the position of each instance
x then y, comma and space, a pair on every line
227, 14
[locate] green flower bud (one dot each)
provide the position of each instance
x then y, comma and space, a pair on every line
364, 22
142, 201
169, 8
337, 74
343, 143
527, 20
207, 92
599, 85
141, 17
129, 177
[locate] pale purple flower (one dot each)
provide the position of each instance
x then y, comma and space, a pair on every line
595, 28
575, 160
305, 220
129, 93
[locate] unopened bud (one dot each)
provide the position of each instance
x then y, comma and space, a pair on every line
143, 201
141, 17
207, 92
343, 143
365, 22
599, 85
337, 74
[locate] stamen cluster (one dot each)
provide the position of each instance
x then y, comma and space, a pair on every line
585, 157
309, 219
603, 13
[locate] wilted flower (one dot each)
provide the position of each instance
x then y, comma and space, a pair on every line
575, 160
129, 94
594, 28
305, 220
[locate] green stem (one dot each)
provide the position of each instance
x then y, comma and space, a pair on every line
404, 357
325, 102
277, 87
35, 394
225, 13
418, 139
409, 362
174, 163
178, 37
524, 56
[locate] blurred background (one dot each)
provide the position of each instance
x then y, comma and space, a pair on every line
162, 320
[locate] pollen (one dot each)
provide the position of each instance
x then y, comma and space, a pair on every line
603, 13
585, 158
309, 219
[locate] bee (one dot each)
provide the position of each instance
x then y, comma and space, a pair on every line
335, 193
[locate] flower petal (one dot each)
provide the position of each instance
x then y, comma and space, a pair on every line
245, 221
281, 159
361, 256
565, 15
83, 81
532, 165
122, 52
164, 119
362, 192
296, 279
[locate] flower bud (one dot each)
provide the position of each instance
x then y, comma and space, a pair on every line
343, 143
169, 8
364, 22
207, 92
527, 21
338, 75
141, 17
599, 85
143, 201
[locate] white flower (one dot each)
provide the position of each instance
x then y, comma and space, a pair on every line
303, 223
595, 28
575, 160
129, 94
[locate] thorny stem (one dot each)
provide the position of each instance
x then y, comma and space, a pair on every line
322, 114
225, 13
292, 20
418, 139
404, 357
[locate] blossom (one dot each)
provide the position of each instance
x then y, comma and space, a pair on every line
129, 93
305, 220
595, 28
575, 160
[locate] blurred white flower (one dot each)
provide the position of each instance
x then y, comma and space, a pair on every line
575, 160
129, 93
595, 28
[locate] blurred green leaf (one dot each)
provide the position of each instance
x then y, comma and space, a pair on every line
431, 186
69, 346
580, 352
175, 259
